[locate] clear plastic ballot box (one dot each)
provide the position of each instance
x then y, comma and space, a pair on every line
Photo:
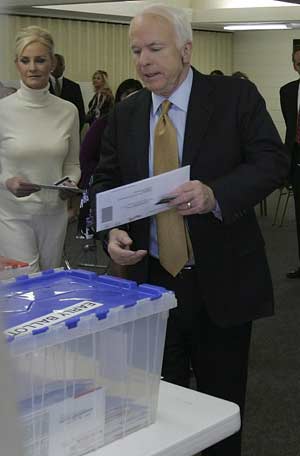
87, 352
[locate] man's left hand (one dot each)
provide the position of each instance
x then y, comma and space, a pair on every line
193, 197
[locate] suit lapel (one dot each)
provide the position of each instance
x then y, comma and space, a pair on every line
200, 109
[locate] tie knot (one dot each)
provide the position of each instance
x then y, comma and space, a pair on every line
165, 106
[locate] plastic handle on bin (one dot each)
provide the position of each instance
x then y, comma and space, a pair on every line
72, 322
10, 339
101, 314
39, 330
129, 304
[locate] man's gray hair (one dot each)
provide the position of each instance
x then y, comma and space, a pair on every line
176, 16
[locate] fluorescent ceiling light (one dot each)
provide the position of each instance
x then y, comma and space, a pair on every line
257, 27
118, 8
254, 4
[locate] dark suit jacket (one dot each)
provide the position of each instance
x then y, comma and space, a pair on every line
289, 108
233, 146
71, 92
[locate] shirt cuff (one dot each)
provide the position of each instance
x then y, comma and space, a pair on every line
217, 212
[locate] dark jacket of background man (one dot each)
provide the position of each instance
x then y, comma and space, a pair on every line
70, 90
289, 105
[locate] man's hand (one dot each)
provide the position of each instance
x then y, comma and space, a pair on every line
193, 197
119, 248
21, 187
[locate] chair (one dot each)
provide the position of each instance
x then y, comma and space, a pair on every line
263, 207
286, 192
81, 249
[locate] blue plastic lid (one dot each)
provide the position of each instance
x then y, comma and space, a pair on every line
72, 293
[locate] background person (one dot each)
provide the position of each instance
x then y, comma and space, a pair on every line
90, 152
216, 73
39, 143
290, 103
127, 88
239, 74
237, 158
103, 100
90, 149
5, 91
66, 88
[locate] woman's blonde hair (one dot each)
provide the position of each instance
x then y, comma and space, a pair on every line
105, 89
34, 34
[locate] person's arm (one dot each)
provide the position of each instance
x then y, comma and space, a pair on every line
80, 106
264, 162
90, 150
71, 166
107, 174
283, 104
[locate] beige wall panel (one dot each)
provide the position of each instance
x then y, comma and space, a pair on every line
266, 57
88, 46
212, 51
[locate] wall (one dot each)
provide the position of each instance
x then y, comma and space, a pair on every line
88, 46
266, 57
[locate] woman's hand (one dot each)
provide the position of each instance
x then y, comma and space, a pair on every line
64, 193
20, 187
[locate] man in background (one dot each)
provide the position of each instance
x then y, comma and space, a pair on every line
5, 91
66, 88
207, 247
290, 102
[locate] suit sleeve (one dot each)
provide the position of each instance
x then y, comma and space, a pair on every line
283, 104
264, 162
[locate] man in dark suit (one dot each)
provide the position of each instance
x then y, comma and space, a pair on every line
237, 158
66, 89
290, 101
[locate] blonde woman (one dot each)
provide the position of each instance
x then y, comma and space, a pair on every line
39, 144
103, 100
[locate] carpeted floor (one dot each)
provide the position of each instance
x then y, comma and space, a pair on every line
272, 421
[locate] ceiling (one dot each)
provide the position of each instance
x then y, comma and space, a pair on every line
204, 14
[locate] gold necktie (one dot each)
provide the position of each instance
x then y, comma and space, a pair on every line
171, 230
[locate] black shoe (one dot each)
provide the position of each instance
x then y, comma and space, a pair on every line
295, 274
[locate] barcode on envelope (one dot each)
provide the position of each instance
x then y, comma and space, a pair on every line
107, 214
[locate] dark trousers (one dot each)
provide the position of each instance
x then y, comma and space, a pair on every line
218, 356
295, 181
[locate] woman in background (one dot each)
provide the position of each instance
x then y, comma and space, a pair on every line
91, 145
39, 144
239, 74
90, 151
103, 100
126, 88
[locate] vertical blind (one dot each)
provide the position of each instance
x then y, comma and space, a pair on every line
88, 46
